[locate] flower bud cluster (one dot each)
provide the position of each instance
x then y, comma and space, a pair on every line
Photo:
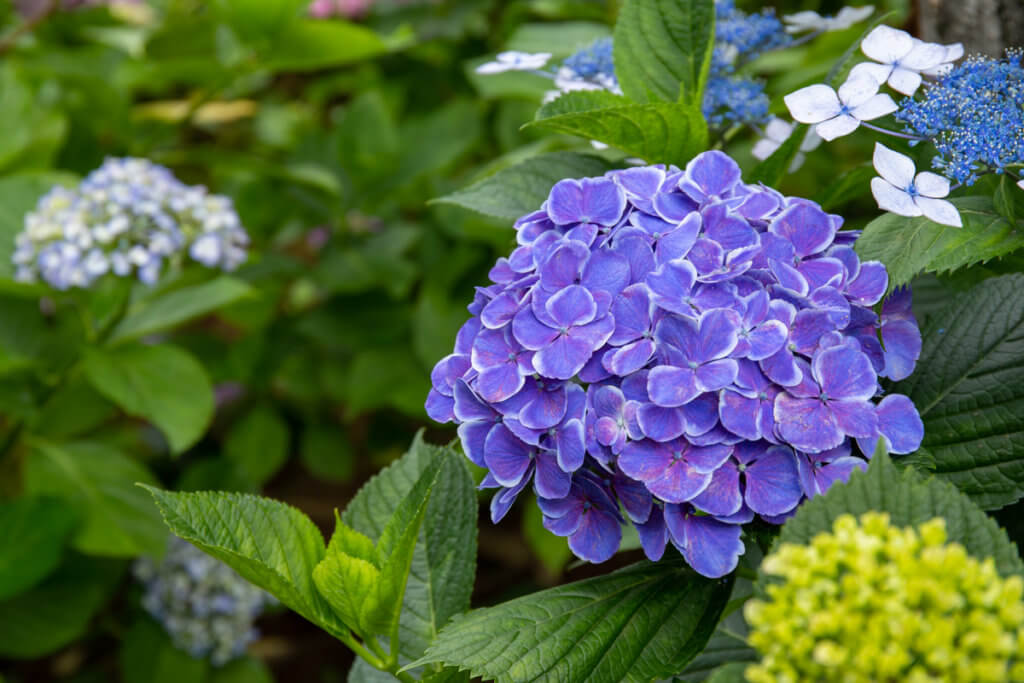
130, 216
872, 602
699, 350
207, 609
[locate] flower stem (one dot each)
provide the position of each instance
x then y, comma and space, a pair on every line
894, 133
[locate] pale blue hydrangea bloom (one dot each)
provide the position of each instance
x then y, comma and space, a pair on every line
130, 216
207, 609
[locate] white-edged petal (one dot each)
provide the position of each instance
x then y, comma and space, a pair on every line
1020, 184
931, 185
891, 198
886, 44
837, 127
879, 73
778, 129
897, 168
811, 141
804, 21
879, 105
798, 161
953, 52
940, 211
764, 148
904, 80
924, 56
857, 90
813, 104
848, 16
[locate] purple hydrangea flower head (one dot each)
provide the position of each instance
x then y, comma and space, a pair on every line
682, 347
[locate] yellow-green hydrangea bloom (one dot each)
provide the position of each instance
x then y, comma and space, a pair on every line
873, 602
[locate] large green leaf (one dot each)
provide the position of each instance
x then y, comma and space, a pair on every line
443, 564
560, 38
517, 190
658, 132
57, 611
162, 384
178, 306
95, 478
32, 535
646, 621
270, 544
908, 246
314, 44
910, 499
969, 389
663, 49
147, 654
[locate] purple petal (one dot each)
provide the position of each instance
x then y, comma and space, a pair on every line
594, 334
630, 358
439, 407
573, 305
499, 382
570, 446
716, 375
562, 358
677, 243
507, 457
706, 255
468, 405
766, 339
722, 496
789, 277
545, 410
634, 497
900, 424
806, 423
473, 436
710, 175
606, 271
719, 333
902, 348
679, 482
671, 284
670, 387
729, 231
500, 310
632, 313
700, 415
844, 372
644, 460
739, 414
638, 254
781, 368
806, 226
773, 483
707, 459
642, 181
855, 418
598, 537
502, 501
653, 535
868, 288
808, 328
550, 479
563, 265
528, 331
660, 424
822, 272
673, 206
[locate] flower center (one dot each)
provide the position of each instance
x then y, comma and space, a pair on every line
912, 190
677, 456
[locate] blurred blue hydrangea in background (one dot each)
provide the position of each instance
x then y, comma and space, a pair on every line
128, 216
207, 609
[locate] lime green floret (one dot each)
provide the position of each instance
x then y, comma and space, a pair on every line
872, 602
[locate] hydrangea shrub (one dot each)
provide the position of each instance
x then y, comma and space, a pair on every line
682, 347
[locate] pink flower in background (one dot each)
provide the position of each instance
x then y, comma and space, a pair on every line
350, 9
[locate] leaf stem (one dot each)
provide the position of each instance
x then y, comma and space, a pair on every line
894, 133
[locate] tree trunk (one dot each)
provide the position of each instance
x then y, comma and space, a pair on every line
983, 26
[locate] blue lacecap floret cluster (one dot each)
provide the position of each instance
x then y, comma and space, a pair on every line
128, 217
207, 609
974, 115
681, 350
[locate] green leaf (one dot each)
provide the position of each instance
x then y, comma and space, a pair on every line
732, 672
243, 670
32, 535
99, 481
848, 186
560, 38
397, 369
910, 499
162, 384
272, 545
179, 306
147, 654
326, 453
517, 190
722, 650
642, 622
57, 611
258, 444
970, 391
443, 563
552, 551
306, 44
908, 246
658, 132
663, 49
1009, 199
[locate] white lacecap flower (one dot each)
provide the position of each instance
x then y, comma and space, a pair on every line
778, 131
902, 58
953, 53
514, 61
902, 192
801, 22
839, 113
1020, 184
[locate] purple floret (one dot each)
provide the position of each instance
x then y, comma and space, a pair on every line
681, 351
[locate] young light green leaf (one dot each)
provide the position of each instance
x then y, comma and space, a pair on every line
908, 246
98, 481
179, 306
272, 545
443, 563
642, 622
658, 132
663, 49
519, 189
162, 384
969, 390
366, 582
33, 531
258, 444
910, 499
57, 611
